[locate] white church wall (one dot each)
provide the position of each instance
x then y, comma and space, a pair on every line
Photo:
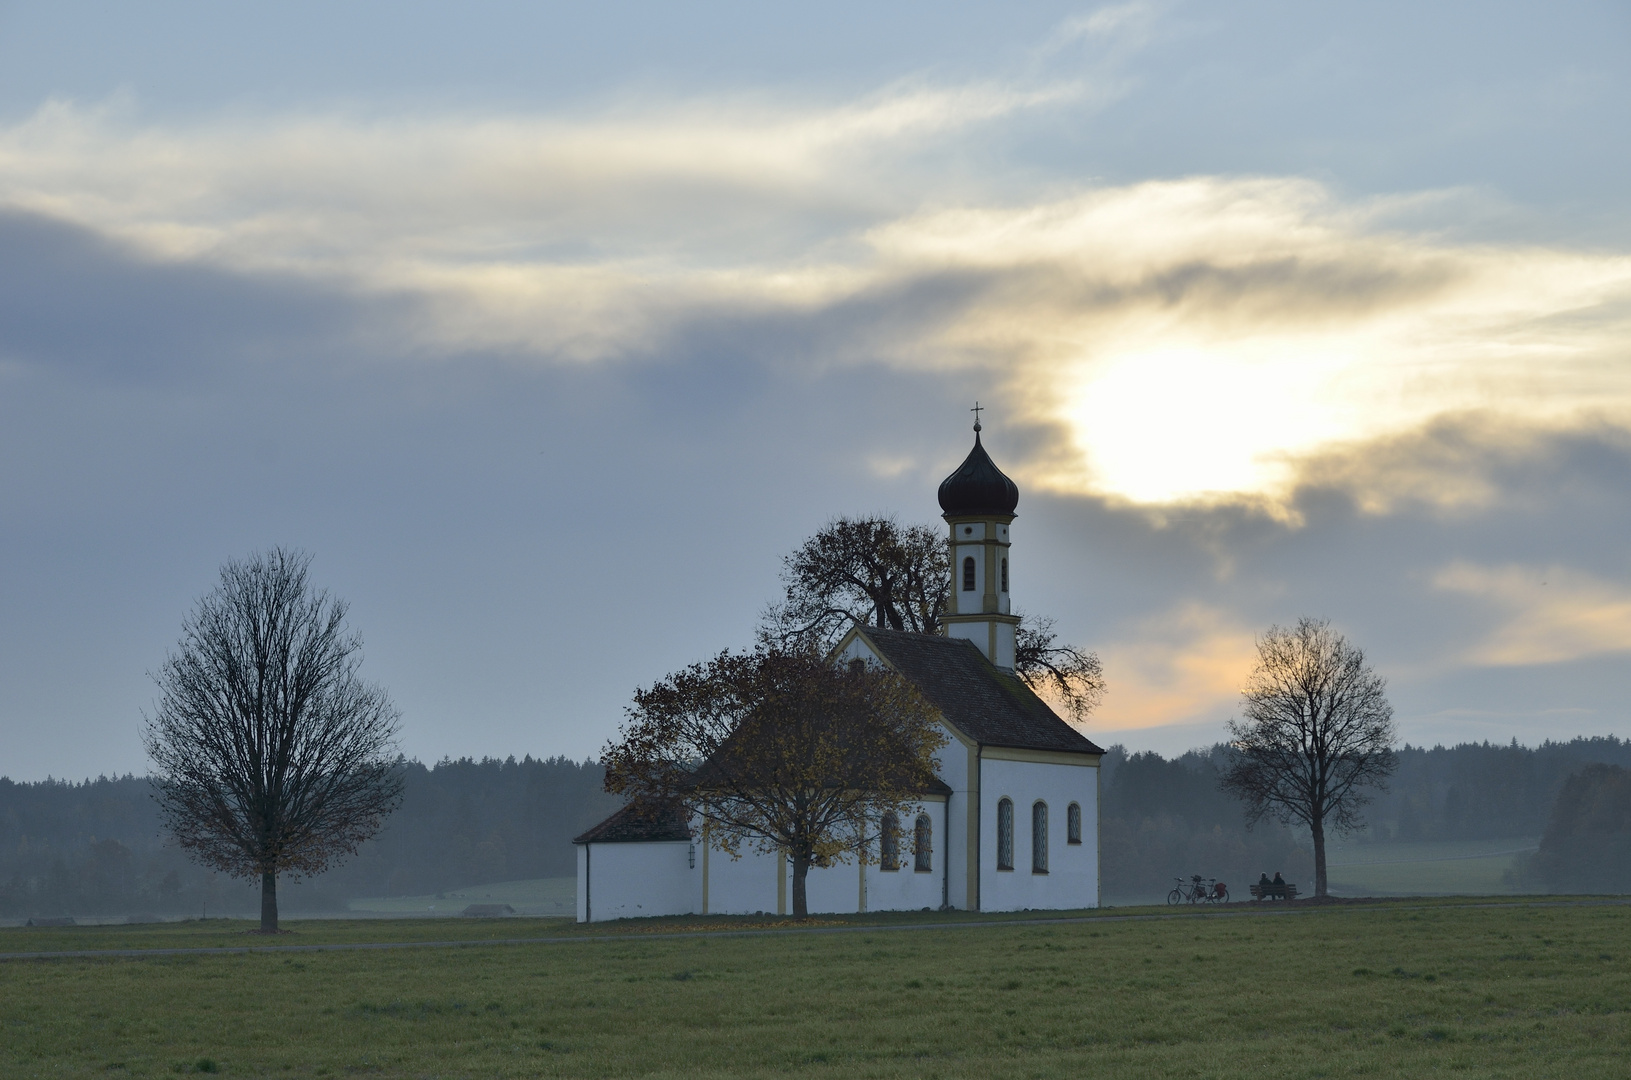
910, 889
834, 890
1006, 642
959, 768
748, 884
1072, 880
741, 886
635, 880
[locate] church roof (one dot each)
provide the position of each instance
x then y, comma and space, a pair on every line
978, 486
635, 824
989, 705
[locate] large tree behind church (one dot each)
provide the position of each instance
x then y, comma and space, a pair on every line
272, 755
779, 752
1316, 736
876, 572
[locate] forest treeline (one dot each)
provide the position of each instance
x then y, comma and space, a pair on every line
96, 847
1166, 818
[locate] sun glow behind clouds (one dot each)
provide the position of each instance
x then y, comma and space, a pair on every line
1175, 422
1203, 338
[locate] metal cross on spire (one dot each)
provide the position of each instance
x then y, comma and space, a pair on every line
976, 412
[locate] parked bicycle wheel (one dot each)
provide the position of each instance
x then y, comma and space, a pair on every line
1220, 895
1174, 896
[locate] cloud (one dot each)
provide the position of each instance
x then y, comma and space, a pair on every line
1194, 340
1182, 666
1200, 338
1546, 615
1130, 24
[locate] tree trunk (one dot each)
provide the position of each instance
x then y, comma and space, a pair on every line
801, 904
1318, 829
269, 902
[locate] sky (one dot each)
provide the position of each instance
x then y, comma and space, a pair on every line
549, 329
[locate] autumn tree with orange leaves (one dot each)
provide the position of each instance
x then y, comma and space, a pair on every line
779, 752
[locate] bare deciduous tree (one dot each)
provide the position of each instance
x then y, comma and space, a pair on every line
874, 571
271, 755
1318, 730
859, 570
779, 751
1072, 677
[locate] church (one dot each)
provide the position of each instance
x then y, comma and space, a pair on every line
1013, 820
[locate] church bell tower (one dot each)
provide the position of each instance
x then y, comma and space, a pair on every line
978, 504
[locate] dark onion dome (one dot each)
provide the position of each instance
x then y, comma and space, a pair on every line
978, 488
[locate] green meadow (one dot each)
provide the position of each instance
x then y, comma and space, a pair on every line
1427, 867
1377, 989
538, 896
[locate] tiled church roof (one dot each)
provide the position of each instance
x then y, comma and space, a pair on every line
990, 706
631, 826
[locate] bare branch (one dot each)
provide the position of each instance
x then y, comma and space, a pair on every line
1318, 732
1069, 675
271, 755
859, 570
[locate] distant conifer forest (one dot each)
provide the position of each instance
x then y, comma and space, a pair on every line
95, 848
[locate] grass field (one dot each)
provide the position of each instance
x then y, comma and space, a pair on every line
1425, 868
537, 896
1387, 989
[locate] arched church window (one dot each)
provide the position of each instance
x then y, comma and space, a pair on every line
1005, 835
1039, 837
889, 857
1005, 575
1073, 823
923, 844
968, 573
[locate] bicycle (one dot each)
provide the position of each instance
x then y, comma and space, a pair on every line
1199, 890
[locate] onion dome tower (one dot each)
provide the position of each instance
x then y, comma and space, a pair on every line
977, 502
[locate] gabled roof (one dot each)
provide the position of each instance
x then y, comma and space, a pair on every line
635, 825
990, 706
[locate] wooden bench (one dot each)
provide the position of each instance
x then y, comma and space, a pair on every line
1274, 892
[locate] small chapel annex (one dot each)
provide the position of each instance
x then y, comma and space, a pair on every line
1013, 822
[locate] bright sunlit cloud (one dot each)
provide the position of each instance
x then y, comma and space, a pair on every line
1203, 338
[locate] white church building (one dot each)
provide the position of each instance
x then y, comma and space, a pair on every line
1012, 823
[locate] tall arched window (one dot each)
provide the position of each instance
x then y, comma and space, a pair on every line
1073, 823
889, 856
923, 844
1005, 574
968, 573
1005, 835
1039, 837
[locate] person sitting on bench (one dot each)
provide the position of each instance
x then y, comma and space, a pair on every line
1279, 885
1264, 886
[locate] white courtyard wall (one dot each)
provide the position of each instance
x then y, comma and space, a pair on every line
637, 880
1072, 880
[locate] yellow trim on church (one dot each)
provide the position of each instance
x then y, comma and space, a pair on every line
1041, 757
